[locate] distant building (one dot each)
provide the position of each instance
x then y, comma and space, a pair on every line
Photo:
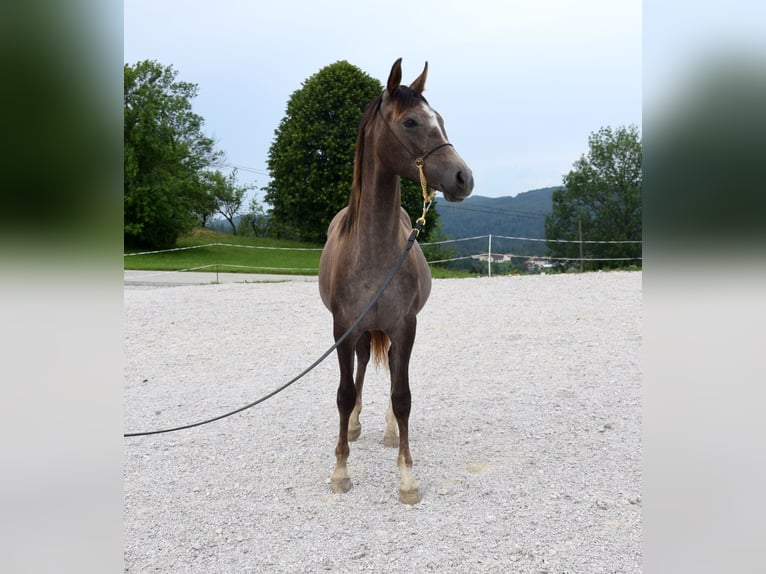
496, 257
536, 262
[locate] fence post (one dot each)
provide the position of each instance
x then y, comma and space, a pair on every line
489, 257
217, 262
579, 228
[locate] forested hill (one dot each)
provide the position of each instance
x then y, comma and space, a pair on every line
520, 216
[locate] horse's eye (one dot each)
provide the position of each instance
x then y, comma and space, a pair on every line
410, 123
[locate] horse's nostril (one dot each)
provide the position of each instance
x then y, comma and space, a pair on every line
465, 179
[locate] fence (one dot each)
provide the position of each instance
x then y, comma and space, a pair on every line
539, 261
543, 261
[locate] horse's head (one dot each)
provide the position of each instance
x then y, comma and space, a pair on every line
416, 131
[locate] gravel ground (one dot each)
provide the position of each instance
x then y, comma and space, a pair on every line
525, 432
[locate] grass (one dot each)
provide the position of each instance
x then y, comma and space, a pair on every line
251, 255
259, 255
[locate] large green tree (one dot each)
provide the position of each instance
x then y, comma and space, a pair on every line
312, 156
166, 155
601, 201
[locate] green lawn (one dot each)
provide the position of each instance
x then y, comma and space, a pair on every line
239, 255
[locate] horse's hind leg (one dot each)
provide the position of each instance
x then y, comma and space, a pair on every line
346, 398
401, 400
362, 358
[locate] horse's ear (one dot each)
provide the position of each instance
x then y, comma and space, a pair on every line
395, 77
419, 85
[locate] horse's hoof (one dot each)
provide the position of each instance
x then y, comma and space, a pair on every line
391, 441
353, 433
411, 496
339, 486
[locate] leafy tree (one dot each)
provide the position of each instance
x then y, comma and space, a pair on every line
255, 220
311, 158
206, 204
166, 155
226, 194
601, 196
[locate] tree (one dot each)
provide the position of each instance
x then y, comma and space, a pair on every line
311, 158
206, 204
166, 155
255, 219
600, 198
226, 194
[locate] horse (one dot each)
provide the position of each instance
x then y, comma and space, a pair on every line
399, 131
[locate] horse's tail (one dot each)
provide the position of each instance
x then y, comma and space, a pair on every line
379, 345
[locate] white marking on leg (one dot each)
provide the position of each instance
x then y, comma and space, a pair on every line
390, 438
354, 426
409, 491
340, 481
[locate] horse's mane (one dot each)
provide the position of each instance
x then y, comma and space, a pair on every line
403, 99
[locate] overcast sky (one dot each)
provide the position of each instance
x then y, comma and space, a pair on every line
520, 85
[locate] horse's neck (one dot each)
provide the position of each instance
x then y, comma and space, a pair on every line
379, 216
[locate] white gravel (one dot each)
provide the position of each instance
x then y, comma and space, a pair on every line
525, 432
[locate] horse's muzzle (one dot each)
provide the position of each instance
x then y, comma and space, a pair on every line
461, 187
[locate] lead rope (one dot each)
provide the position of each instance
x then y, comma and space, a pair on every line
428, 196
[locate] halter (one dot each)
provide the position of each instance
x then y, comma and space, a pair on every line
420, 161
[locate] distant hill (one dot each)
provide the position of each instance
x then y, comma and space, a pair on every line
520, 216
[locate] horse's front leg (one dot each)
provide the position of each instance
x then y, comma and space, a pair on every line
401, 400
346, 398
362, 358
390, 438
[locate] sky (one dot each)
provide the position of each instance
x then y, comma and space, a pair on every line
520, 85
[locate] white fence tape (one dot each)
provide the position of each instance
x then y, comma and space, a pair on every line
476, 255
